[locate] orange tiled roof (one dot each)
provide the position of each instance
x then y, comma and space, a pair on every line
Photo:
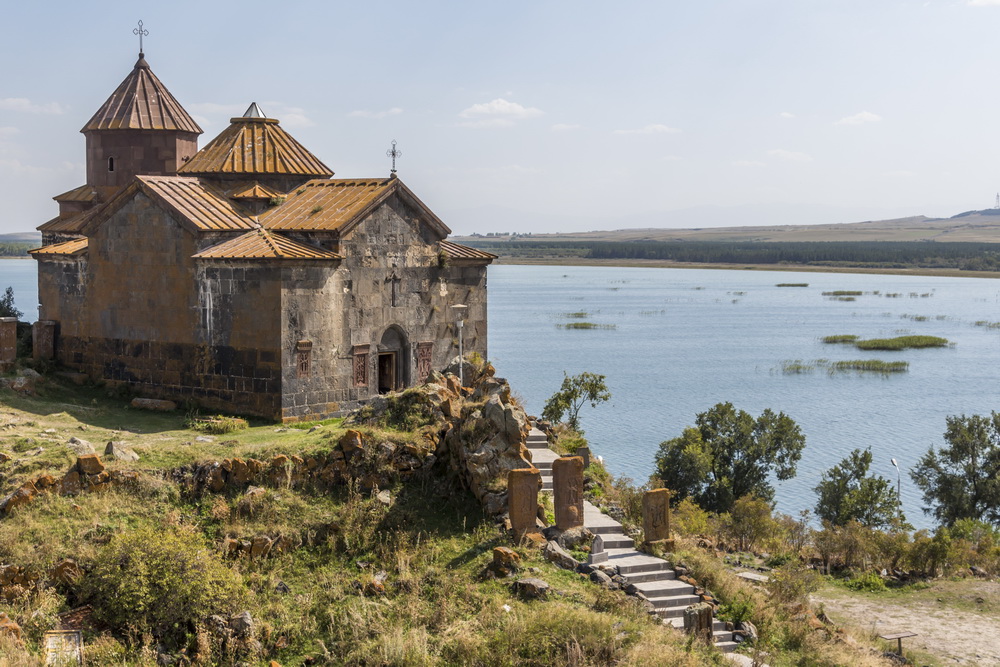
327, 204
262, 244
253, 190
72, 224
64, 249
142, 102
200, 204
458, 251
252, 145
83, 193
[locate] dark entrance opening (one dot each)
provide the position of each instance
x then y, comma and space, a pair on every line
386, 372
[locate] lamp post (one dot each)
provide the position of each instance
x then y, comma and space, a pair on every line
460, 309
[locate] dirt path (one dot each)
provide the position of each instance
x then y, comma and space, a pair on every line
953, 636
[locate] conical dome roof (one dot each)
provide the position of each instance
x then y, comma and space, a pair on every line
142, 102
253, 145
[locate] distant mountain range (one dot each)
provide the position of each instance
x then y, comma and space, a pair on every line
972, 226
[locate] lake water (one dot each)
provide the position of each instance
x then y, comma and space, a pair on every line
686, 339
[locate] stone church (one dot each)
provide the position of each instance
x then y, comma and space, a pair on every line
243, 276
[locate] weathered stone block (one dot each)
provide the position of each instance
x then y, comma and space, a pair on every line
8, 340
43, 340
567, 482
656, 515
523, 485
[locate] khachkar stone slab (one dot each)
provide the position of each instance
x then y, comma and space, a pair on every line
523, 485
43, 340
8, 340
567, 484
656, 515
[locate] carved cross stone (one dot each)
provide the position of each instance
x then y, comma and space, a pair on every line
567, 483
522, 499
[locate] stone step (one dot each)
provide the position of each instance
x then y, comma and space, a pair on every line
664, 588
620, 541
673, 603
635, 562
659, 575
726, 646
543, 466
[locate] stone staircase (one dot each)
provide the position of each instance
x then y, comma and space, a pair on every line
652, 576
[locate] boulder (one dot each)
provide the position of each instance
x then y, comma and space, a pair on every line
66, 571
9, 628
89, 464
352, 443
154, 404
4, 457
601, 578
531, 588
556, 554
119, 451
80, 447
242, 625
260, 546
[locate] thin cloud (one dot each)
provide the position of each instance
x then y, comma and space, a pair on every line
786, 114
747, 163
565, 127
983, 3
859, 119
655, 128
25, 105
498, 113
362, 113
9, 131
789, 156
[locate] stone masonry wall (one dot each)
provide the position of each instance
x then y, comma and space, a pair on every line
391, 278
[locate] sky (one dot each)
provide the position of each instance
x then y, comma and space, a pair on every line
548, 115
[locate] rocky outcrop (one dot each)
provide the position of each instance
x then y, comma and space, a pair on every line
478, 431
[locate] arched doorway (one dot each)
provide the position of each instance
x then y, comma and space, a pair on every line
393, 360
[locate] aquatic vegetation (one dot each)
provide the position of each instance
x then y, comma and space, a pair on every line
843, 292
585, 325
845, 298
792, 285
988, 324
915, 318
840, 338
578, 315
902, 343
796, 367
800, 367
869, 366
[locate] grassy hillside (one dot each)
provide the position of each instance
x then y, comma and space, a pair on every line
301, 567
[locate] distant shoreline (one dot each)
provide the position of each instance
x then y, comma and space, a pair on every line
791, 268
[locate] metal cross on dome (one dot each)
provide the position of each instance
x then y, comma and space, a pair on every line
142, 33
393, 153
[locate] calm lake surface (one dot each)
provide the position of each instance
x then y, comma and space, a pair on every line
686, 339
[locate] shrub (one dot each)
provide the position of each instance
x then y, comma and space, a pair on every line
218, 425
870, 582
737, 610
160, 581
690, 519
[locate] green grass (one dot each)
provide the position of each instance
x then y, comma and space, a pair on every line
901, 343
585, 325
840, 338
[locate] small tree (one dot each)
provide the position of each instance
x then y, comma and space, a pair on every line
574, 393
962, 479
728, 455
847, 493
7, 307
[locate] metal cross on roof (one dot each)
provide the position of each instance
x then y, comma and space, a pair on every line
142, 33
394, 153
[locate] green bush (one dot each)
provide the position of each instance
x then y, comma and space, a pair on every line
870, 582
160, 581
739, 609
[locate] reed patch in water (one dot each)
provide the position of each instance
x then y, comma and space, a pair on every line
902, 343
